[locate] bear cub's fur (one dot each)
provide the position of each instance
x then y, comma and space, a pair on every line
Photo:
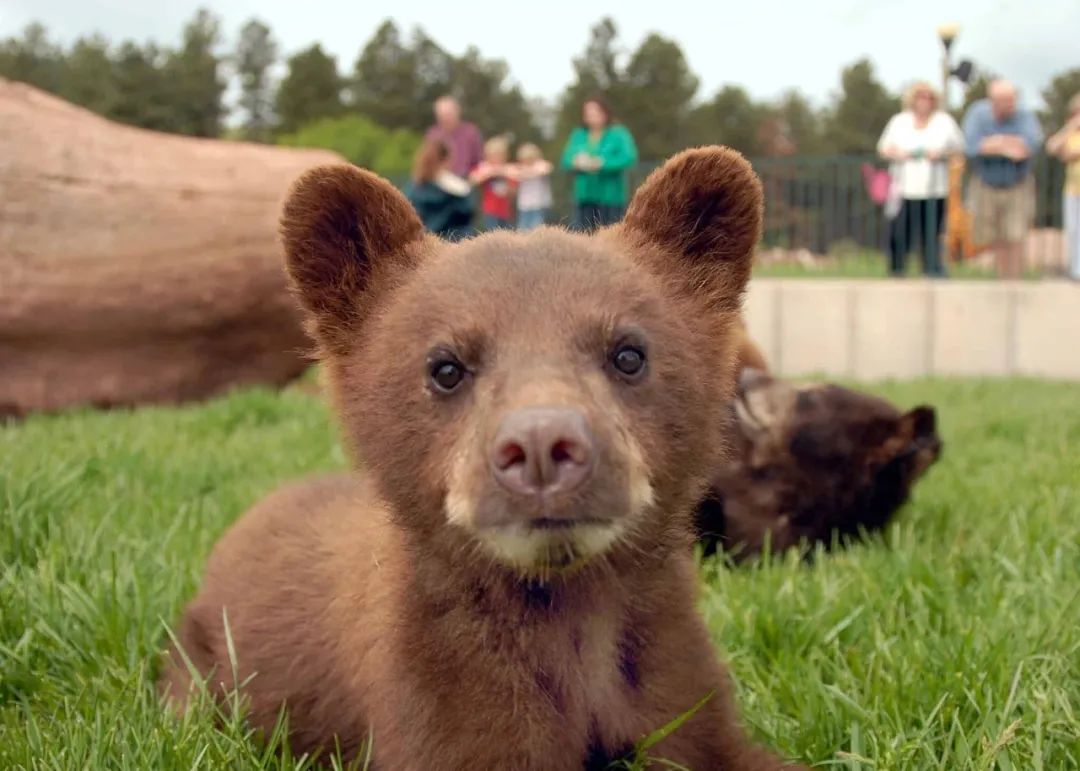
507, 582
812, 463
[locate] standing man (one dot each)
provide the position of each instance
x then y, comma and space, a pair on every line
1000, 139
463, 138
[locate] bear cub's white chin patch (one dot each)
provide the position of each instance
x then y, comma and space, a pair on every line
530, 548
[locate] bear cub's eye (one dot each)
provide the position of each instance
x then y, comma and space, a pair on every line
447, 375
628, 360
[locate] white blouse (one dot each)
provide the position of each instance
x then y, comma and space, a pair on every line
918, 177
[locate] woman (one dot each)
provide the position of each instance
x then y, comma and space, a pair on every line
440, 197
534, 187
598, 153
1065, 144
918, 142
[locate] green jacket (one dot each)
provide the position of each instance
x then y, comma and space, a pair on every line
617, 152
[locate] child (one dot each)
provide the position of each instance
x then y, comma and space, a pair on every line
441, 198
534, 191
495, 177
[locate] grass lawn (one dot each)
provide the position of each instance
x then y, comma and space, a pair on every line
951, 643
848, 263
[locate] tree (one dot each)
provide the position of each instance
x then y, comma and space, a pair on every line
143, 97
310, 90
598, 68
730, 118
1056, 96
495, 107
975, 91
33, 59
799, 122
596, 73
395, 84
656, 96
860, 112
89, 78
384, 85
193, 78
255, 54
434, 72
361, 141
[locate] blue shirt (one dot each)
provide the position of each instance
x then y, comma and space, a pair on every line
996, 170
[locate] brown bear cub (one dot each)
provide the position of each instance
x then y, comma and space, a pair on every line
507, 582
812, 464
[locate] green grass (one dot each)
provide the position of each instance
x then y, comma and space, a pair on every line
953, 642
849, 260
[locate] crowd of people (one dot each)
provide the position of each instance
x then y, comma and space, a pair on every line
999, 139
456, 173
460, 182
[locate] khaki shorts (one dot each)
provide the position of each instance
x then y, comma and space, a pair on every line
1001, 213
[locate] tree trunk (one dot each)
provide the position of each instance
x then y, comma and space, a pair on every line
137, 266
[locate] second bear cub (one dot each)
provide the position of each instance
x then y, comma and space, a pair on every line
507, 581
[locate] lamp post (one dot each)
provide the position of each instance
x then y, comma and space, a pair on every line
947, 33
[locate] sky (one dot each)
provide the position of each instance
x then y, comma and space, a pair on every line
766, 46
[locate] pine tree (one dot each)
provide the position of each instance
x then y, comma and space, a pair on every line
310, 90
256, 53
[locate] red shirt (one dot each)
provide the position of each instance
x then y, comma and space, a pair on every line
498, 197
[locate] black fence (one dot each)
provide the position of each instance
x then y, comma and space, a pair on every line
813, 202
821, 206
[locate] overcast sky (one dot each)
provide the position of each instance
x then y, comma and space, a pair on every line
765, 46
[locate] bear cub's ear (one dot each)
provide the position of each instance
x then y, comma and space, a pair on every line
704, 209
344, 230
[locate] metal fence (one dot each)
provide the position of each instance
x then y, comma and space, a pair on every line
818, 209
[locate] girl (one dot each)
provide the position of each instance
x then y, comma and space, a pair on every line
534, 187
495, 178
440, 197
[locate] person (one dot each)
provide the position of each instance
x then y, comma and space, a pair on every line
534, 187
463, 138
598, 153
441, 198
1065, 144
495, 177
999, 138
918, 142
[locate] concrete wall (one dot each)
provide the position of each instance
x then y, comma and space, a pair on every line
870, 329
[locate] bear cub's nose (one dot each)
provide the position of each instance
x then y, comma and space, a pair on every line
542, 450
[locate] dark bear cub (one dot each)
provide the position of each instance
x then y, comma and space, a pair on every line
507, 580
812, 463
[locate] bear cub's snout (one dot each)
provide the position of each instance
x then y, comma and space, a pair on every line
541, 452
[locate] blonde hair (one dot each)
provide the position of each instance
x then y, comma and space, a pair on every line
529, 152
497, 145
916, 88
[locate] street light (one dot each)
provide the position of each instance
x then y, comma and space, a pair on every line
947, 33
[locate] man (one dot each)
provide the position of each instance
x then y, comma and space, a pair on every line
1000, 139
463, 138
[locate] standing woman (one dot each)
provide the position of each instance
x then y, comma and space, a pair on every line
598, 153
919, 141
1065, 144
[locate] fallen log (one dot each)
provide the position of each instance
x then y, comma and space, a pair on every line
135, 266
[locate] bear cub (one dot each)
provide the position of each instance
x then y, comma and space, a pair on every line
506, 581
813, 463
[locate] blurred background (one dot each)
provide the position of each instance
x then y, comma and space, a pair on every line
805, 92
